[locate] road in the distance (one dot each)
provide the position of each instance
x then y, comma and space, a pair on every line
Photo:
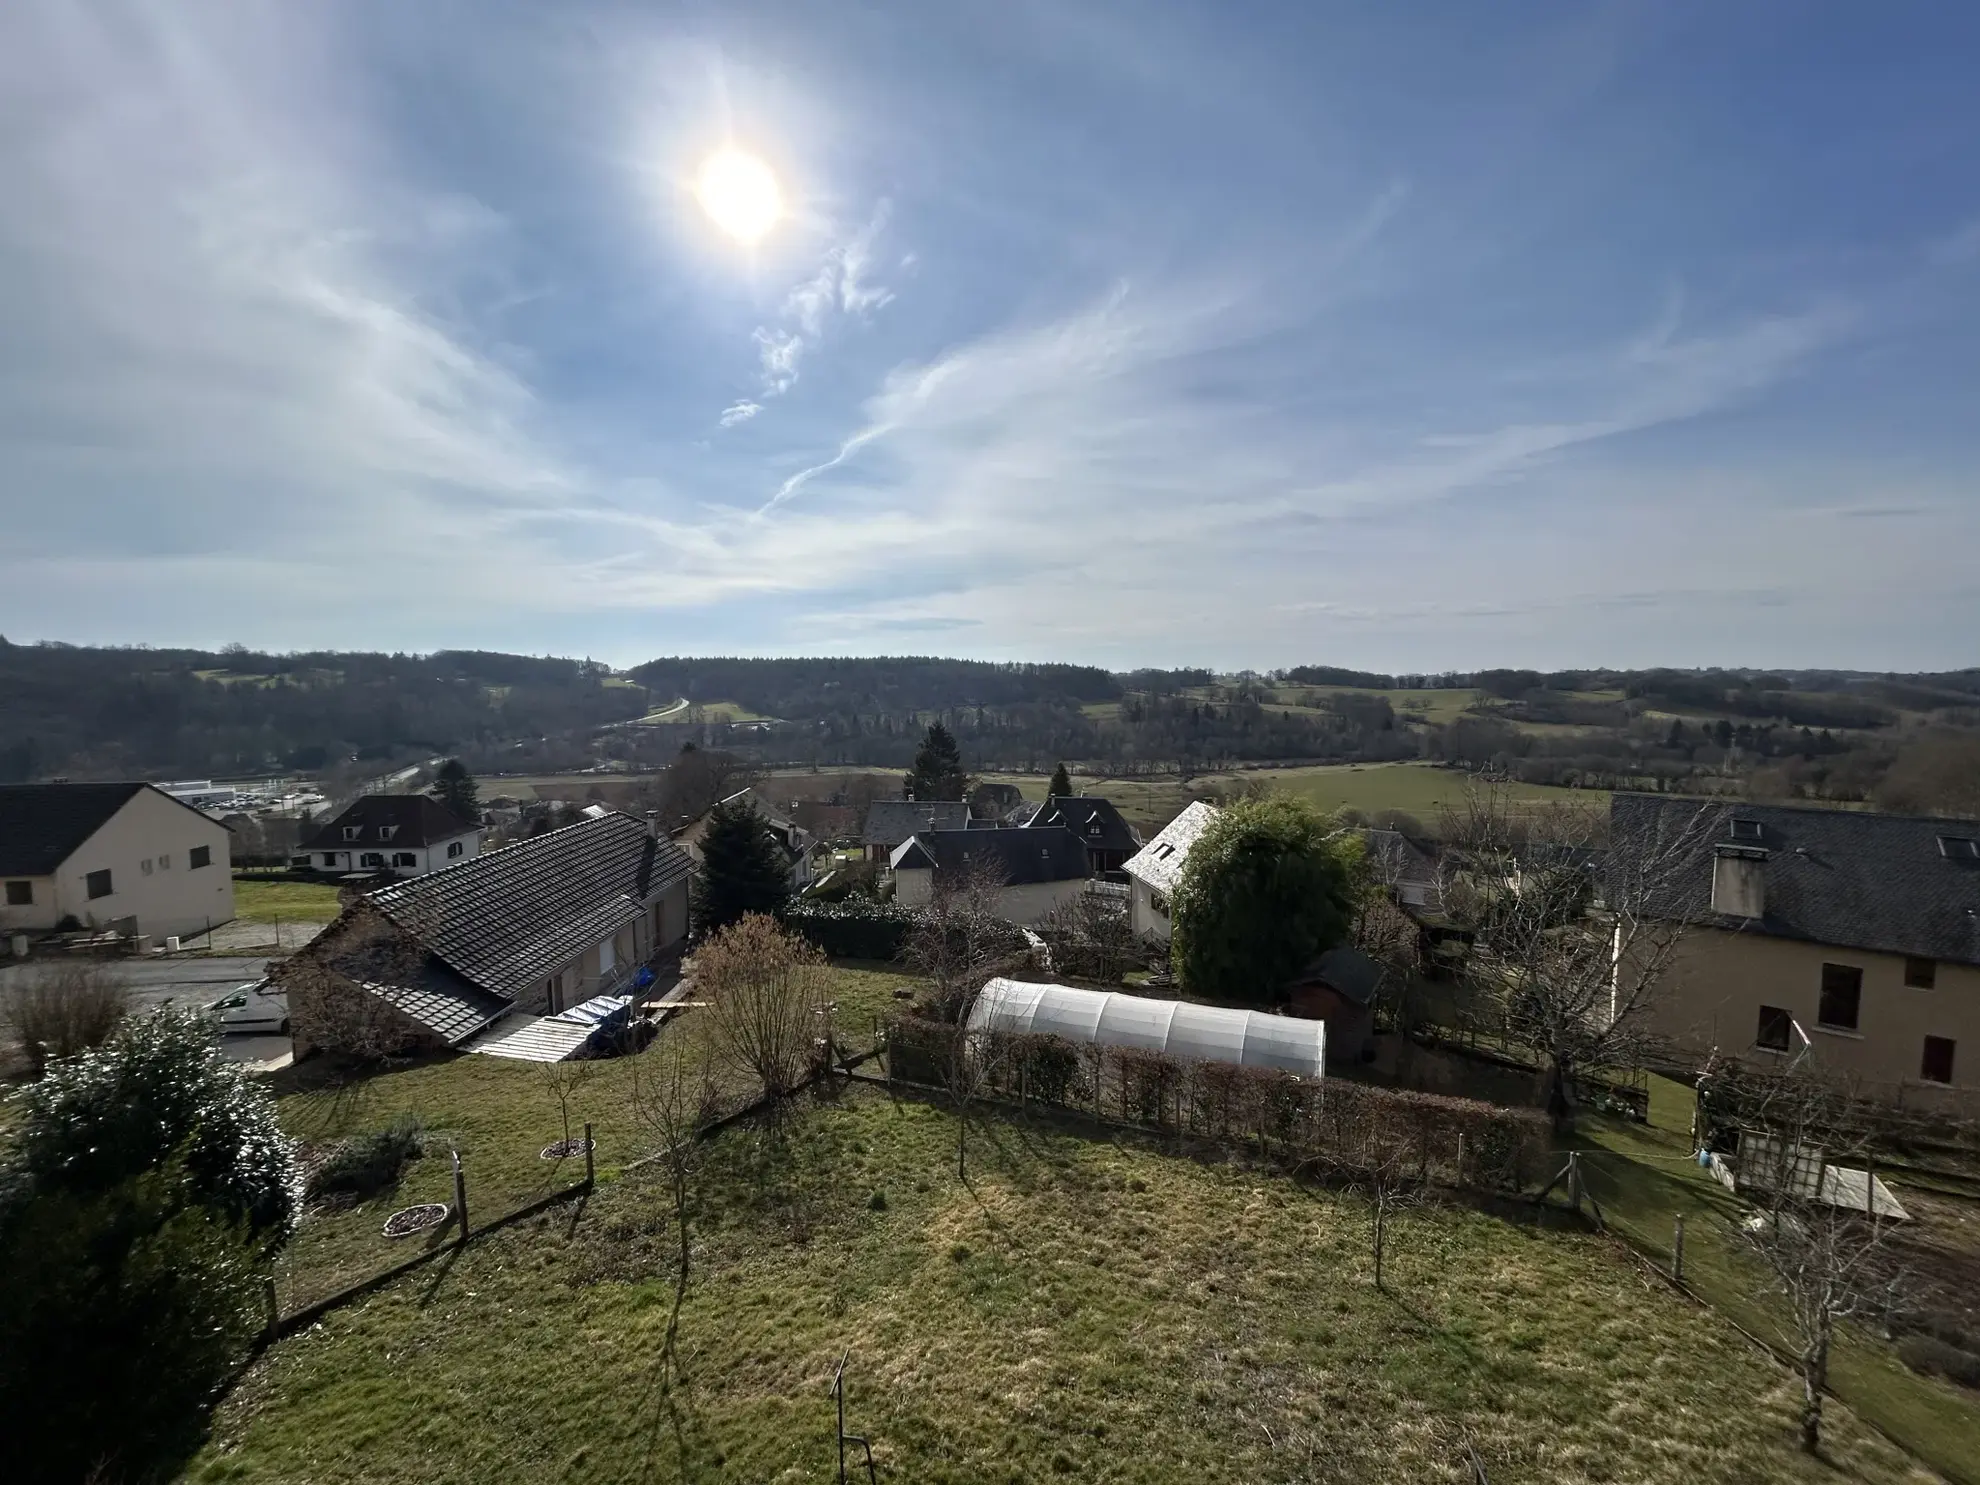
194, 982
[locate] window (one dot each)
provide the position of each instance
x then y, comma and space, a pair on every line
1936, 1066
145, 866
372, 858
404, 858
1959, 848
20, 894
1773, 1032
1921, 974
164, 863
386, 832
97, 884
329, 858
455, 848
1746, 830
199, 856
352, 832
1842, 997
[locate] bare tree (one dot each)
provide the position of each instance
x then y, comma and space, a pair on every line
1090, 935
59, 1010
330, 1005
1571, 944
562, 1081
1818, 1235
673, 1094
765, 987
963, 938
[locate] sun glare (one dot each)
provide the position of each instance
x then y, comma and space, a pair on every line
739, 194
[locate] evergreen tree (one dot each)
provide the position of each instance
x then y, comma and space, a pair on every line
1061, 781
742, 868
938, 767
455, 788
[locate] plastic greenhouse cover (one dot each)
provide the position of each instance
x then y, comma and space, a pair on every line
1199, 1033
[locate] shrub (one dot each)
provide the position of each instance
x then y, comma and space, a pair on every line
123, 1312
764, 989
366, 1164
857, 928
157, 1092
63, 1009
1929, 1354
919, 1049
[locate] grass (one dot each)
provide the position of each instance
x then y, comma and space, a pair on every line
723, 711
1084, 1308
1644, 1177
258, 900
499, 1114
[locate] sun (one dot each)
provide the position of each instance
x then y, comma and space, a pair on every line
739, 194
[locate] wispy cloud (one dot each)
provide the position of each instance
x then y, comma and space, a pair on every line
740, 412
841, 286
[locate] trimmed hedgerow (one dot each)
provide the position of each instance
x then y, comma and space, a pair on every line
856, 928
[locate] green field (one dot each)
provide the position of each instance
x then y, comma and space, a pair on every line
1084, 1307
258, 900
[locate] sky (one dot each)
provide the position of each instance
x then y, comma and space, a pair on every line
1402, 337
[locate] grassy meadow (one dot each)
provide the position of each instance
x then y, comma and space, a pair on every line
264, 900
1083, 1307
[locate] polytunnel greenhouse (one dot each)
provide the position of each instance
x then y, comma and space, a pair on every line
1177, 1028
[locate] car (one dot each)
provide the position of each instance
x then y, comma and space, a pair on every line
257, 1006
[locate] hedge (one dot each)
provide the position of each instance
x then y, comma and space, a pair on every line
857, 928
1350, 1127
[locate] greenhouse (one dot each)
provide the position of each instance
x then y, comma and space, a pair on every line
1177, 1028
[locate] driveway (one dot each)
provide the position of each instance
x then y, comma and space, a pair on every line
192, 982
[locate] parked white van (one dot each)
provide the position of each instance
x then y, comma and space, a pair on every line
257, 1006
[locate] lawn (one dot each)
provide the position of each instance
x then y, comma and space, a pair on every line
1416, 788
1085, 1308
260, 900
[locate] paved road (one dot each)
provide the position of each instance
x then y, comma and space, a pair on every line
193, 982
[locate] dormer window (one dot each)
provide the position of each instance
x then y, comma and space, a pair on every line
1164, 851
1746, 830
1959, 848
386, 832
352, 832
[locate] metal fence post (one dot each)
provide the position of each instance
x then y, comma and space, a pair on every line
460, 1194
590, 1174
1677, 1249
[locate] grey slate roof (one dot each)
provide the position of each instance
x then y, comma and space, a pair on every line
41, 825
1348, 971
1160, 862
1029, 854
411, 819
1855, 880
511, 918
1090, 817
442, 1002
891, 821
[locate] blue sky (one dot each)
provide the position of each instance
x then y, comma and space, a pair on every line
1397, 336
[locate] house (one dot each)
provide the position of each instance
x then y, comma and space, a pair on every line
1109, 840
542, 926
100, 856
406, 834
1844, 936
794, 842
994, 801
1040, 869
1339, 988
1407, 867
1155, 870
889, 822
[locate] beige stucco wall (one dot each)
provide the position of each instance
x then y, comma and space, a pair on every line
1719, 980
170, 898
1144, 917
913, 887
1034, 900
425, 858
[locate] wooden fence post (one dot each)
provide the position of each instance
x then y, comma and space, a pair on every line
460, 1194
590, 1172
274, 1307
1460, 1160
1677, 1249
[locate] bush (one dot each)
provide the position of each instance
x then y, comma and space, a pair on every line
857, 928
366, 1164
157, 1092
123, 1313
63, 1009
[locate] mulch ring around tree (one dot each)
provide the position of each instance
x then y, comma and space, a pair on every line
564, 1149
409, 1220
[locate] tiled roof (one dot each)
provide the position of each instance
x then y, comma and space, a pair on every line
388, 819
1349, 971
1160, 862
1887, 883
510, 918
891, 821
1090, 817
1032, 854
41, 825
442, 1002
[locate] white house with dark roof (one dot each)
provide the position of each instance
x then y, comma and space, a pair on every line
1039, 869
1109, 839
126, 856
406, 834
1156, 869
540, 927
1845, 936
